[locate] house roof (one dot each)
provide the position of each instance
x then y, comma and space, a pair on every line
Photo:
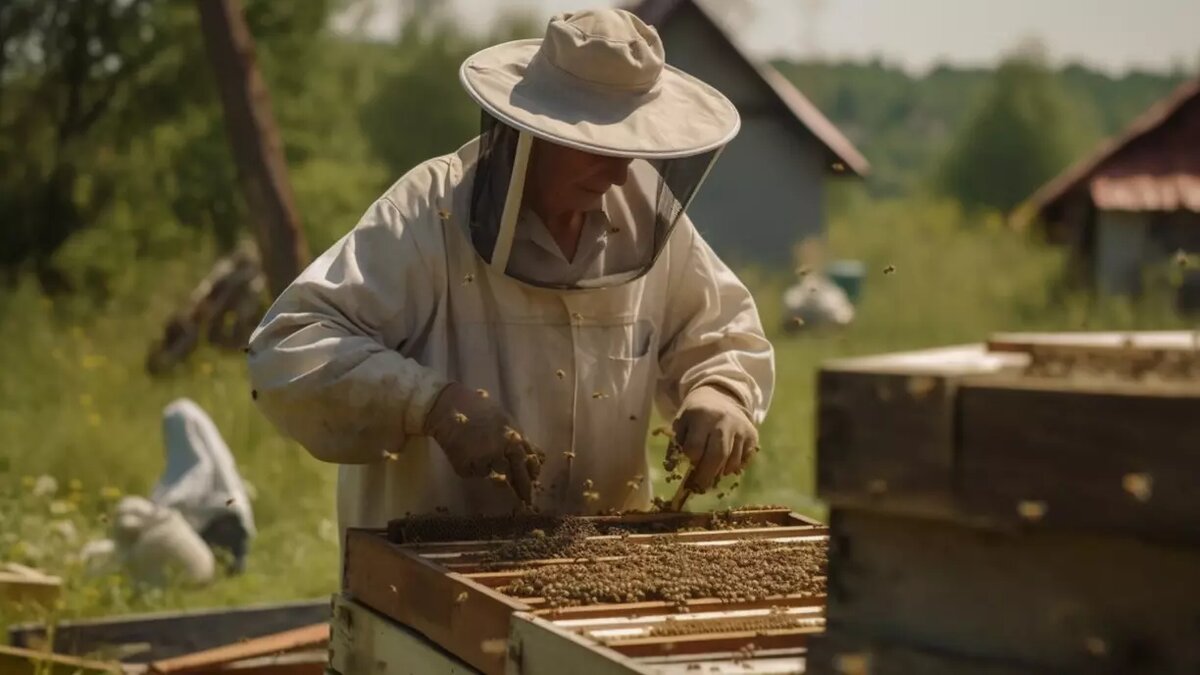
800, 110
1153, 165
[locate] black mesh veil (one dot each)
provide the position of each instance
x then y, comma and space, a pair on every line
642, 213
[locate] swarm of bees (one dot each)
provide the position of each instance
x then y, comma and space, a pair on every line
667, 571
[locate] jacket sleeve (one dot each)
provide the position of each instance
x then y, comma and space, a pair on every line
712, 334
324, 362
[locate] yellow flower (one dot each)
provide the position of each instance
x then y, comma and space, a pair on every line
61, 507
110, 492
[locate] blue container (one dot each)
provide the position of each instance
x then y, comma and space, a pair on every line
848, 275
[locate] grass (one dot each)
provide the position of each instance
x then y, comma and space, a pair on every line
76, 405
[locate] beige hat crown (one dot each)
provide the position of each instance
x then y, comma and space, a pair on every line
598, 81
612, 49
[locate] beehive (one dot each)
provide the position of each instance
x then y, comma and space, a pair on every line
1023, 505
695, 588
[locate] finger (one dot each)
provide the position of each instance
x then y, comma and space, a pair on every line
518, 472
737, 455
693, 439
749, 450
716, 451
534, 458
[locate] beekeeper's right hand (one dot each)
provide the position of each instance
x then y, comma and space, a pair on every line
479, 437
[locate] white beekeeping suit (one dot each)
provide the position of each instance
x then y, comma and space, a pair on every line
158, 547
201, 480
448, 283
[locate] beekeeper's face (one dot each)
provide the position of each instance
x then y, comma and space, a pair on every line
573, 180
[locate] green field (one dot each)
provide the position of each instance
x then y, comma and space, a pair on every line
76, 405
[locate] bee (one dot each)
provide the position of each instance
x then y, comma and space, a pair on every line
889, 269
599, 394
444, 214
229, 502
512, 435
663, 431
560, 373
468, 278
393, 456
483, 393
569, 454
497, 477
460, 418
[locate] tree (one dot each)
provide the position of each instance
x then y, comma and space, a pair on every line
1024, 131
254, 138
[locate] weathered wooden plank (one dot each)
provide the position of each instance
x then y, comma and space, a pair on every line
364, 641
466, 556
634, 609
453, 611
538, 647
1067, 601
885, 439
1131, 340
141, 638
306, 637
439, 532
886, 426
840, 653
17, 661
1110, 457
714, 643
24, 585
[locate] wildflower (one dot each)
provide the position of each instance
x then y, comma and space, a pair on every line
45, 486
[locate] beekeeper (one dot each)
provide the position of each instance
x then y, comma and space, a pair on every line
496, 327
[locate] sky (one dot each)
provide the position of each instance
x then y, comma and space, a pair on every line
1112, 35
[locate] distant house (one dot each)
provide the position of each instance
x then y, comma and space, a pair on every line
1135, 202
767, 190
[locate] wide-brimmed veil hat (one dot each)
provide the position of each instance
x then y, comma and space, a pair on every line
598, 81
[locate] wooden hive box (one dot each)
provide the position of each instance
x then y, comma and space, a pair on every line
1024, 505
433, 580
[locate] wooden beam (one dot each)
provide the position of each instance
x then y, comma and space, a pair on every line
24, 585
451, 610
141, 638
1111, 457
307, 637
1063, 601
17, 661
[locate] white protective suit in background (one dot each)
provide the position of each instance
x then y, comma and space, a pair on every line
201, 480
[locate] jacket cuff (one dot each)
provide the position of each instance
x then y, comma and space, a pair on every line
737, 391
427, 386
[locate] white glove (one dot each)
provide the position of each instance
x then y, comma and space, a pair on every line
715, 434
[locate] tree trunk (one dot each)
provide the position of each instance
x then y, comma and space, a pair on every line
257, 148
